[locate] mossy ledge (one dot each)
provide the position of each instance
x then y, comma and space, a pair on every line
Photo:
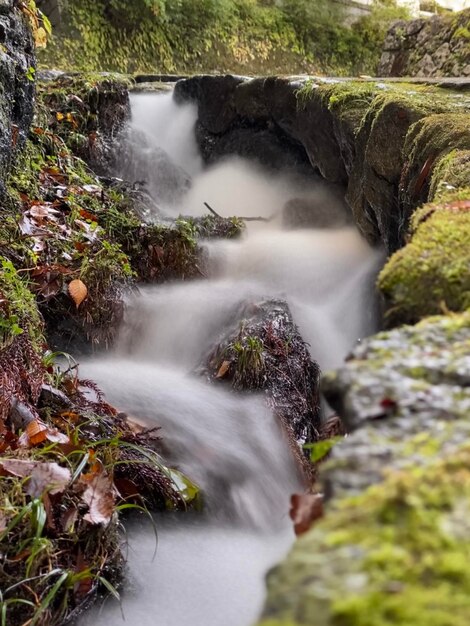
379, 140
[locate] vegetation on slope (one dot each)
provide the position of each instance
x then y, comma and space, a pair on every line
188, 36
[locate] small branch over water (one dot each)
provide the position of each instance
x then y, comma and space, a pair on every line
246, 219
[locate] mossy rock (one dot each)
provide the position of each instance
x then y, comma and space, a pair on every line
429, 141
431, 274
262, 350
393, 547
394, 556
404, 398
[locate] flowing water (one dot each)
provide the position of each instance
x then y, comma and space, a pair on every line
209, 570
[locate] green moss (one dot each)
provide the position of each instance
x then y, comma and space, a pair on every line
431, 273
461, 33
394, 556
18, 309
450, 173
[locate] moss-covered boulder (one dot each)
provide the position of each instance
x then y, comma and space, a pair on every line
394, 556
392, 548
378, 142
431, 274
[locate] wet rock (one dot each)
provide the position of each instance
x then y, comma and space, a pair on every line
357, 135
403, 393
214, 96
16, 84
235, 117
384, 557
324, 208
400, 373
262, 350
151, 168
268, 146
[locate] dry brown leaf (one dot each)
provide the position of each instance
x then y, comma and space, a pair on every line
35, 433
223, 369
78, 291
40, 37
305, 509
42, 476
99, 496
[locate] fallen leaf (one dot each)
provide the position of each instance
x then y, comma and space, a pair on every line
21, 414
68, 518
93, 189
35, 433
78, 291
99, 496
459, 205
42, 476
40, 37
55, 436
305, 509
48, 476
88, 216
224, 368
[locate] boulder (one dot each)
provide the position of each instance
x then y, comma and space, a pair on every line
393, 545
324, 208
262, 350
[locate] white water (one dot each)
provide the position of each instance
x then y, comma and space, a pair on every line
210, 573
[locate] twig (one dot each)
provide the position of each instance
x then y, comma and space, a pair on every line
245, 219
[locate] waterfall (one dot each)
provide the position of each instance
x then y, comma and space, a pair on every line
209, 570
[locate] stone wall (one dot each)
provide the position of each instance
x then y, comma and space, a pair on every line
439, 46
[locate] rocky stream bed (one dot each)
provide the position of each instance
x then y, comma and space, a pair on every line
392, 544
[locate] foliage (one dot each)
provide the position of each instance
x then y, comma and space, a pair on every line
40, 24
223, 35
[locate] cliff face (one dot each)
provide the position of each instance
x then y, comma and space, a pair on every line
436, 47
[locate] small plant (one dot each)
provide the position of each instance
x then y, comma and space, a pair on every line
249, 362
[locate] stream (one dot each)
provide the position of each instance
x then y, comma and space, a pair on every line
209, 569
